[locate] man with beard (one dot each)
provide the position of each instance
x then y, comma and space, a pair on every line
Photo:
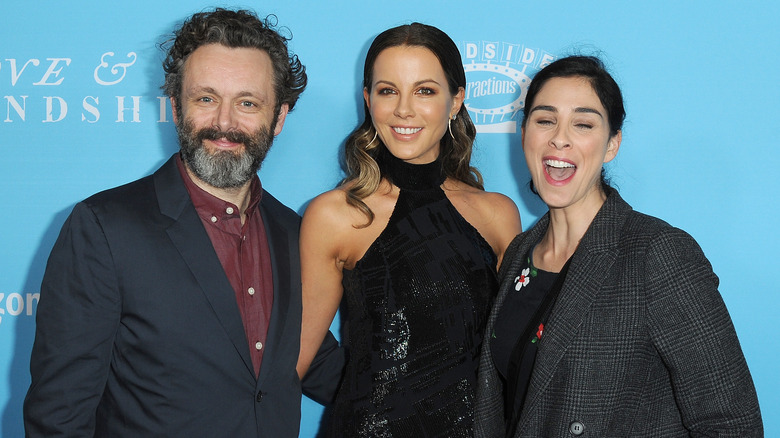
171, 306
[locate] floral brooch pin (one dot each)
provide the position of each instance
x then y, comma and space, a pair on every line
525, 276
538, 336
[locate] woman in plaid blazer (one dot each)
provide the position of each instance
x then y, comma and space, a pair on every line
608, 322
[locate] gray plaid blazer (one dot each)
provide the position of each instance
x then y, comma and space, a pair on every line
638, 344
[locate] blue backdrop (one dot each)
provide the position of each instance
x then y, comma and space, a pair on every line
82, 111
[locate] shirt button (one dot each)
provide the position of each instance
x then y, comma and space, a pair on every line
229, 210
576, 428
259, 345
213, 218
251, 291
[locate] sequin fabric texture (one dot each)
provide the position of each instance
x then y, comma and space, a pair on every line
416, 307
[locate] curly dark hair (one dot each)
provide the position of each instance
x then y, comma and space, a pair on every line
239, 28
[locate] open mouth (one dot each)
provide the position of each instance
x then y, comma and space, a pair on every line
559, 170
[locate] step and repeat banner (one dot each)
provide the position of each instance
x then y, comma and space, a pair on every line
81, 110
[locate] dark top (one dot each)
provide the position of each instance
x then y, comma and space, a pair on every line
530, 286
416, 307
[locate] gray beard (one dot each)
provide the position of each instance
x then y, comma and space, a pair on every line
223, 169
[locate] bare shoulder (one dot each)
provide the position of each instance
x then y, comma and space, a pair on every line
330, 211
494, 215
342, 230
484, 207
496, 205
326, 203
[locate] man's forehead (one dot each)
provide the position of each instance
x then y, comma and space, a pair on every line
216, 67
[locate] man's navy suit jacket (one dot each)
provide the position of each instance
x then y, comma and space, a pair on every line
138, 330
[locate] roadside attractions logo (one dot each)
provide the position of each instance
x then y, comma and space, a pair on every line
497, 78
41, 90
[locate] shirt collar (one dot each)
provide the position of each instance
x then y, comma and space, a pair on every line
207, 204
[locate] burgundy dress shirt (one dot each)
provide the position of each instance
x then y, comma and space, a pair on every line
243, 251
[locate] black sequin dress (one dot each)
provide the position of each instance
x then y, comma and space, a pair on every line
416, 307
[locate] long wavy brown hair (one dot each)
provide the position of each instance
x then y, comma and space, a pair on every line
363, 146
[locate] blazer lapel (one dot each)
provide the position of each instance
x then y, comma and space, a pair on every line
279, 248
512, 264
190, 238
589, 267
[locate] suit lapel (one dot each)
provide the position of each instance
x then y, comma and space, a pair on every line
279, 248
190, 238
589, 268
514, 262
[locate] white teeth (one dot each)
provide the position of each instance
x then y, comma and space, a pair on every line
558, 164
406, 131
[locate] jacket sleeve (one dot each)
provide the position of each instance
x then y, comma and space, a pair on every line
511, 253
324, 375
489, 403
693, 333
77, 318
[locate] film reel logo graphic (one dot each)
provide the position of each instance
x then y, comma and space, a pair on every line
496, 95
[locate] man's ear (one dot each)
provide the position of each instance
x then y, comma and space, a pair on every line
173, 111
283, 110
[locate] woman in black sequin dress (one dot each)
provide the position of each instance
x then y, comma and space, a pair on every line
411, 241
